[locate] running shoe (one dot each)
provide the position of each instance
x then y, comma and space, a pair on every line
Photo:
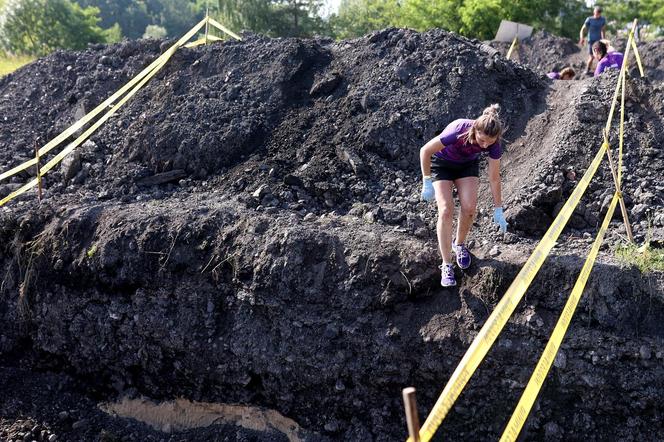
447, 275
462, 255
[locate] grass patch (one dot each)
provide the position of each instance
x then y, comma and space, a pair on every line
646, 258
9, 63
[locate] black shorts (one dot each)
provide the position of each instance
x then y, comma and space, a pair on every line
449, 171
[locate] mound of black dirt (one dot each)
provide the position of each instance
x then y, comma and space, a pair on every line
325, 125
544, 52
248, 230
566, 138
652, 57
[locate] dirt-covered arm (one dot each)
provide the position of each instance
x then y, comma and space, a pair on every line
426, 151
494, 182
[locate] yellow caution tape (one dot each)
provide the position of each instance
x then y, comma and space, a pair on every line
104, 105
202, 41
509, 52
527, 400
638, 58
495, 323
66, 151
223, 28
621, 133
614, 101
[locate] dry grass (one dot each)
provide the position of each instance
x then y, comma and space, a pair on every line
9, 63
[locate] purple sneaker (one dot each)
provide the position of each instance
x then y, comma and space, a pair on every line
462, 255
447, 275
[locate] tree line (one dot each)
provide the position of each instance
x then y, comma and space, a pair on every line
481, 18
37, 27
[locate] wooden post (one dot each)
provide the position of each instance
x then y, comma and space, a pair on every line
623, 208
636, 51
39, 180
207, 24
412, 418
514, 43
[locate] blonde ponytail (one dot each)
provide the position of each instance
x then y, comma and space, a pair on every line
488, 123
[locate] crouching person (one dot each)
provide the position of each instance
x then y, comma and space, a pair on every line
452, 159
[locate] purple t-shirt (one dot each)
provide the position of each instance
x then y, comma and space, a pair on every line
553, 75
612, 60
457, 150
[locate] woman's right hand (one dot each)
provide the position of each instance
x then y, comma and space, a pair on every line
427, 189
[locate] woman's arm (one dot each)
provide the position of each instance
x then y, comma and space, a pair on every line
494, 182
426, 151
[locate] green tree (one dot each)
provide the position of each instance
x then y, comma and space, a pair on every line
621, 13
154, 31
481, 18
276, 18
426, 14
176, 16
473, 18
569, 19
113, 34
131, 15
359, 17
37, 27
655, 11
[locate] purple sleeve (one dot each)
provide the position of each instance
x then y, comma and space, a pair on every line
600, 68
495, 150
451, 133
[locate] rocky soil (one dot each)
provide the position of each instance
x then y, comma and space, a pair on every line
544, 52
248, 230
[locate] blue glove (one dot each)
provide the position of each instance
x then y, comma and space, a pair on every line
427, 189
499, 218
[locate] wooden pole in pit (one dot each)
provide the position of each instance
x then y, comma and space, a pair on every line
412, 418
39, 179
207, 24
623, 208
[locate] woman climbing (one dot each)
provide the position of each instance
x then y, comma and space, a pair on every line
606, 58
453, 158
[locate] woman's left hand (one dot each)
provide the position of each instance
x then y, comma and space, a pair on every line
499, 218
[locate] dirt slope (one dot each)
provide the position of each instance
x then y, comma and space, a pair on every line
291, 265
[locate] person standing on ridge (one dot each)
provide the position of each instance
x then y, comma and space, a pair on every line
452, 158
595, 26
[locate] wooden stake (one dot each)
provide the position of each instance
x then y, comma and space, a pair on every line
623, 208
39, 179
412, 418
514, 43
207, 24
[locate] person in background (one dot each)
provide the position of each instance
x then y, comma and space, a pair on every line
605, 59
566, 74
452, 159
595, 26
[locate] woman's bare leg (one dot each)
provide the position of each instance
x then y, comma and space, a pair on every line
445, 202
467, 190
